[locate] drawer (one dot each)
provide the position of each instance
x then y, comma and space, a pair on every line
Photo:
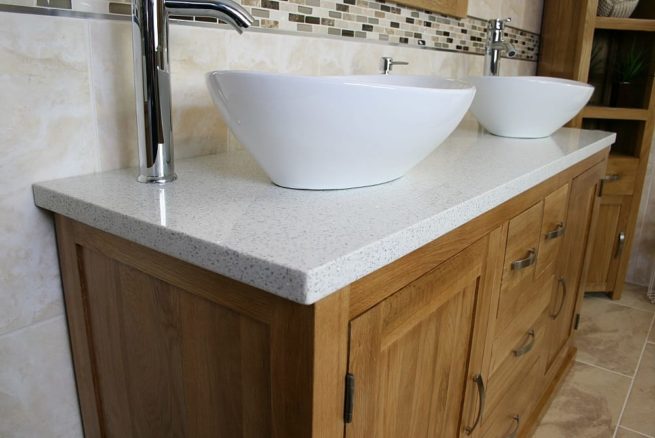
519, 325
522, 244
503, 380
517, 403
553, 228
620, 175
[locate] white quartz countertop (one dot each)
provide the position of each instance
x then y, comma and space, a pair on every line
223, 213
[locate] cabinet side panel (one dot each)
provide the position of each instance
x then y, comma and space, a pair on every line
170, 363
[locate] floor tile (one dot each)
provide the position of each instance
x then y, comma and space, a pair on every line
635, 296
638, 414
611, 336
587, 405
624, 433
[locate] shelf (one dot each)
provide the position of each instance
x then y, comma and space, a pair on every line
634, 24
604, 112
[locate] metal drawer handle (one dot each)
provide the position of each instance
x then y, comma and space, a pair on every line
557, 232
517, 419
524, 263
620, 245
482, 393
561, 281
528, 345
611, 177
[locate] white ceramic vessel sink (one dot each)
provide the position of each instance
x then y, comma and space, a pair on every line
337, 132
527, 106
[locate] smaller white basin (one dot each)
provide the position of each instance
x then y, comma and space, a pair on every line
527, 106
337, 132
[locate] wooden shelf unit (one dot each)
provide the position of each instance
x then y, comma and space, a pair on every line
567, 50
629, 24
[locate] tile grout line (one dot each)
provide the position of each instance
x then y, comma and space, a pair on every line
634, 431
32, 325
604, 369
627, 397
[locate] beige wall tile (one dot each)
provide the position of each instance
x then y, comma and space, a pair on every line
587, 405
48, 131
640, 409
113, 92
611, 336
37, 389
525, 14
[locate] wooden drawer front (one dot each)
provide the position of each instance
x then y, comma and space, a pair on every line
620, 176
552, 230
513, 367
522, 237
517, 403
516, 334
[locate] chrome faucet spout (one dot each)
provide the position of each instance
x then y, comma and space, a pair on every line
225, 10
496, 46
152, 75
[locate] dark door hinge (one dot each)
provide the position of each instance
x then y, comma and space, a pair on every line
577, 321
350, 399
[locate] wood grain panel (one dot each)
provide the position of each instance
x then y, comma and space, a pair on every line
582, 205
555, 208
612, 219
456, 8
522, 236
164, 358
626, 169
411, 361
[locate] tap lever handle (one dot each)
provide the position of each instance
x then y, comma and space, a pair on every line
498, 23
388, 63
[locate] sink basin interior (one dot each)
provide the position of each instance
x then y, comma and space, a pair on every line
335, 132
527, 106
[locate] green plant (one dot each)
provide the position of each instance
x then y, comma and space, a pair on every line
631, 64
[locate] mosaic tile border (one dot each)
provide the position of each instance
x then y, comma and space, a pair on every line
363, 20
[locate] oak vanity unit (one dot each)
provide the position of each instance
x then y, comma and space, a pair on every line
441, 304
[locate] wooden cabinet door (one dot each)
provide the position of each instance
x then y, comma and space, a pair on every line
608, 241
410, 355
583, 202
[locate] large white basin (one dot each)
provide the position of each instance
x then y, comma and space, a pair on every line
337, 132
527, 106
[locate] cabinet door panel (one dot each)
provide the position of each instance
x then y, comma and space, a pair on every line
583, 203
410, 353
553, 224
605, 252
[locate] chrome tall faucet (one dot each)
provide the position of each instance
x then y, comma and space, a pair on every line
495, 46
152, 81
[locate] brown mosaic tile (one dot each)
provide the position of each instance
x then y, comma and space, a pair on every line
120, 8
58, 4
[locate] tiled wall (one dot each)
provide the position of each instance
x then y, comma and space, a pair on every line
67, 109
375, 20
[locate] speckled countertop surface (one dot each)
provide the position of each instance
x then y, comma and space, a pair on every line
223, 214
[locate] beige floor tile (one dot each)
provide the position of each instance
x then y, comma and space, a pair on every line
635, 296
587, 405
639, 412
624, 433
611, 336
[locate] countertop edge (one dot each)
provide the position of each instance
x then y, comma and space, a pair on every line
305, 287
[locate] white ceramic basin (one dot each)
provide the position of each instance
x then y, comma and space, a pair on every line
337, 132
527, 106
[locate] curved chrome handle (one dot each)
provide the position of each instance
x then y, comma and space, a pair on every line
561, 281
524, 263
527, 346
517, 419
482, 395
557, 232
498, 23
611, 177
620, 245
225, 10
